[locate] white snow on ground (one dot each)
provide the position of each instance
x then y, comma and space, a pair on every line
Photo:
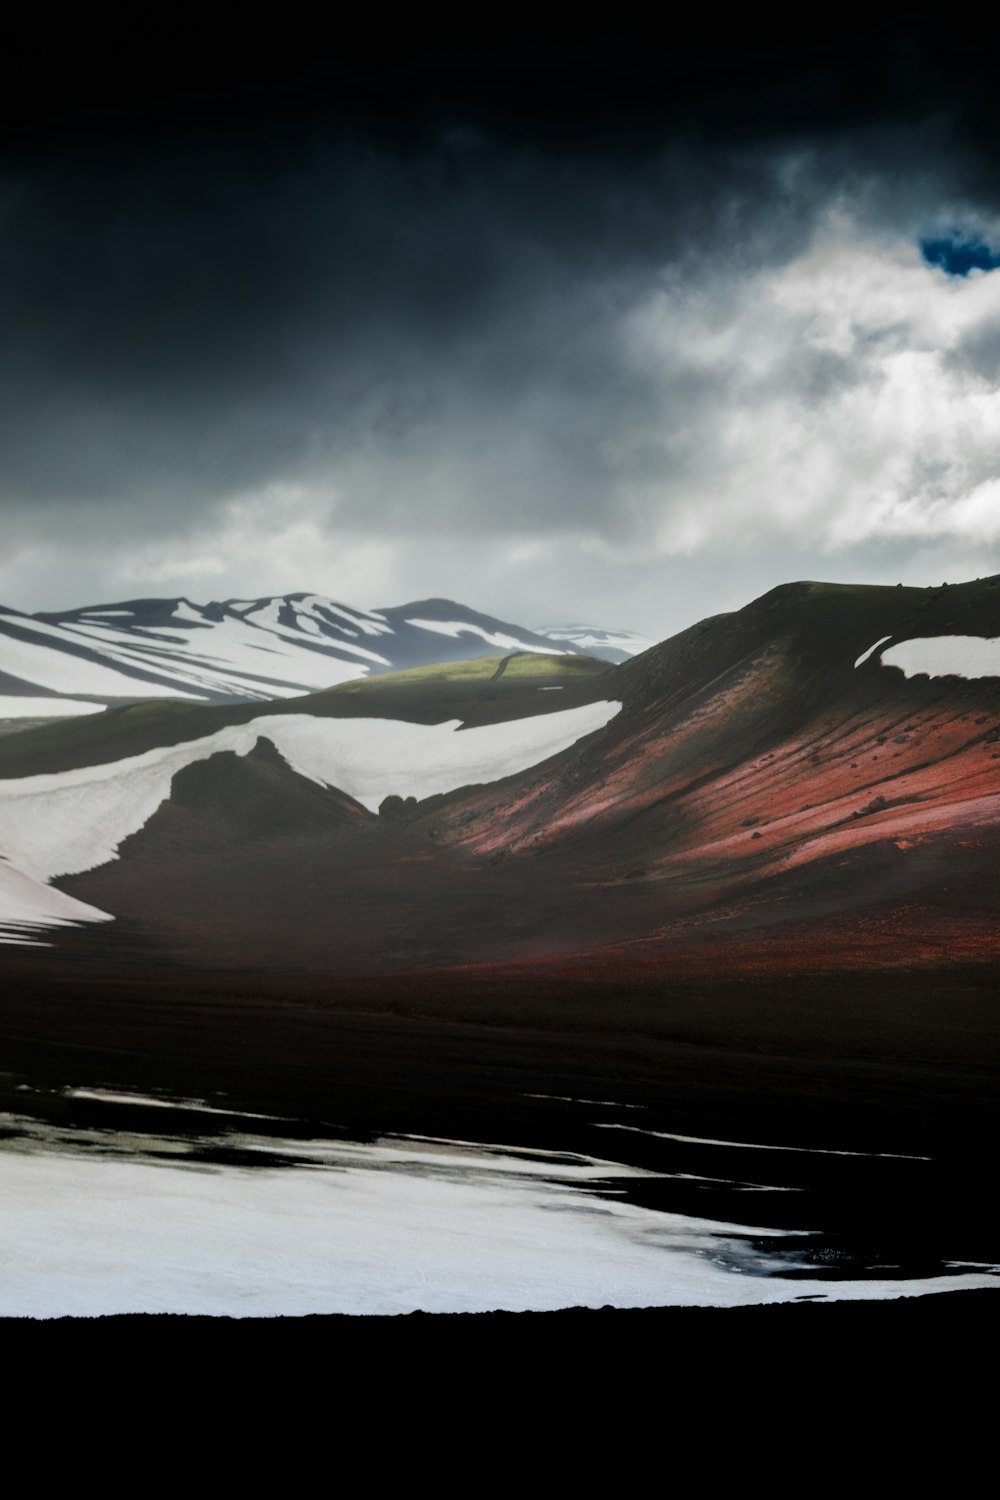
27, 907
373, 758
258, 657
45, 708
390, 1228
63, 672
865, 654
265, 614
946, 656
70, 821
365, 620
219, 657
292, 634
456, 628
185, 611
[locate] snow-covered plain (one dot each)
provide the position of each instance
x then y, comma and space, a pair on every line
71, 821
389, 1228
946, 656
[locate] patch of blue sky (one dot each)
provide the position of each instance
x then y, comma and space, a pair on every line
957, 256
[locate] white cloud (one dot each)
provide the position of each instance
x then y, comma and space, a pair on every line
840, 409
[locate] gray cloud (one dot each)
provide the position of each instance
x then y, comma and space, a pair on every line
578, 363
178, 331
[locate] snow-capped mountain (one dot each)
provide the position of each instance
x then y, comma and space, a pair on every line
608, 645
821, 751
276, 647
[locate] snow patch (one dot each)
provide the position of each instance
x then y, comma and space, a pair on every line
45, 708
185, 611
28, 907
361, 618
388, 1228
456, 628
965, 656
61, 671
70, 821
866, 654
371, 759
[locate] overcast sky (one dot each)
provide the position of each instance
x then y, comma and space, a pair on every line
623, 377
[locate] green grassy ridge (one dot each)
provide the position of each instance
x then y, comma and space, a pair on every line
475, 691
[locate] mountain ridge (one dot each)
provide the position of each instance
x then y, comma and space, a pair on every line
759, 751
272, 647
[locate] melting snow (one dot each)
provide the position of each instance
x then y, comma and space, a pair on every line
946, 656
27, 907
389, 1228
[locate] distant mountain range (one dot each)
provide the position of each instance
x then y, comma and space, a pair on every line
275, 647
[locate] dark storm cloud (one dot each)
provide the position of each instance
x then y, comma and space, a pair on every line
665, 300
176, 331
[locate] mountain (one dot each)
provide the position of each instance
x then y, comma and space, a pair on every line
606, 645
276, 647
73, 791
747, 880
816, 757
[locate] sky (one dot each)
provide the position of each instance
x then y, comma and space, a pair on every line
622, 334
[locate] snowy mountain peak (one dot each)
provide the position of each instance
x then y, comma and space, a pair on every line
593, 640
277, 646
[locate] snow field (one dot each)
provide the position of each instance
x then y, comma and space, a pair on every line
71, 821
388, 1228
